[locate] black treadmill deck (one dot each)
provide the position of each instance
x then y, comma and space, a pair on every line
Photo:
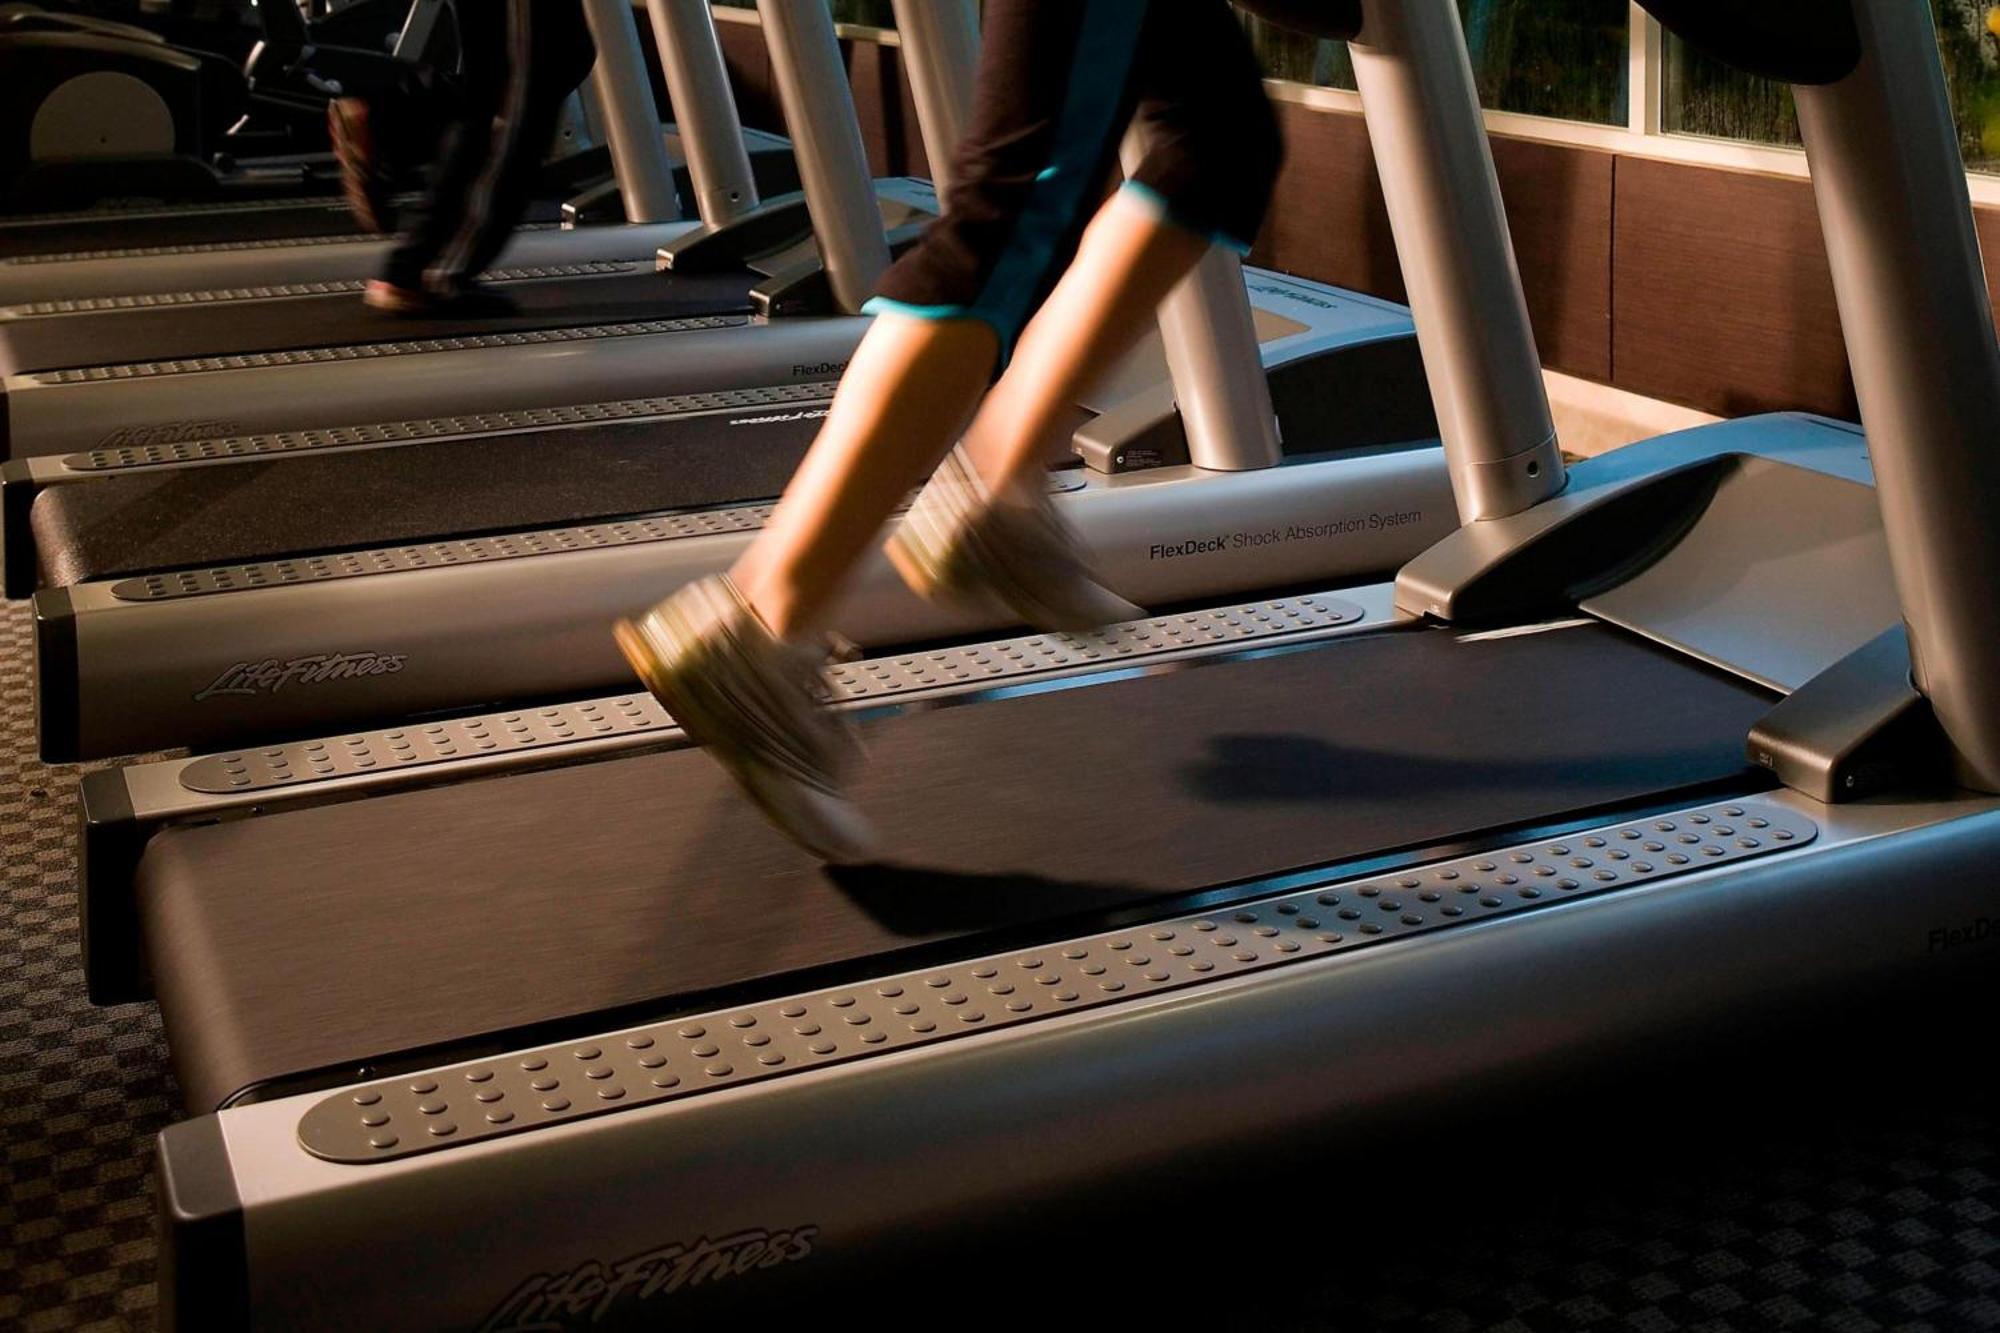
327, 938
217, 328
115, 229
304, 504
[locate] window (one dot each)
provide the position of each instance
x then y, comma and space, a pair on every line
862, 13
1704, 97
1561, 58
866, 13
1568, 62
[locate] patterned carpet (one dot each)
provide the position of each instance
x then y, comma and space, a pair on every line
82, 1090
1870, 1214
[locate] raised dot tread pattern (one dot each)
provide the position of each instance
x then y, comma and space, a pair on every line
91, 305
278, 443
306, 356
390, 1119
360, 753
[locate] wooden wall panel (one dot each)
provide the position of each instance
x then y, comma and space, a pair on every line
1721, 294
886, 110
1559, 203
1328, 222
1987, 222
1693, 284
749, 64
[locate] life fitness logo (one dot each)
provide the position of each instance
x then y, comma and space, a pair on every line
272, 675
594, 1291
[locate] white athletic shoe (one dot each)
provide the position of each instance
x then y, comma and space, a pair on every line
959, 542
756, 704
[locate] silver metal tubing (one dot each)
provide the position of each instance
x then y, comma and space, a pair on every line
574, 131
704, 105
631, 120
940, 51
826, 136
413, 40
1212, 355
1457, 255
1913, 305
591, 98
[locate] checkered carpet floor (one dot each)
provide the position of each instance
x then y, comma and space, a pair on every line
82, 1090
1848, 1223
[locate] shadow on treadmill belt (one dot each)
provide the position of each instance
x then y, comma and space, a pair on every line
334, 935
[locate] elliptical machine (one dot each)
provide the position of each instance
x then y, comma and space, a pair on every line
101, 110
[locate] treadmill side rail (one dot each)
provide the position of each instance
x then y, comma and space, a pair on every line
108, 407
690, 1056
234, 270
204, 1266
1859, 728
17, 539
1047, 1108
1619, 510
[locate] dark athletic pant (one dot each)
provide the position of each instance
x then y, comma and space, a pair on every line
1059, 81
521, 59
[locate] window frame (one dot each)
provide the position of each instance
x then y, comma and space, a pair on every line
1643, 134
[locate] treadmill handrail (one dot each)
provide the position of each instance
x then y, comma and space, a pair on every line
1910, 283
1429, 137
826, 133
938, 41
704, 107
632, 120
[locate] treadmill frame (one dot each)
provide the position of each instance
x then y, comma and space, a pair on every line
1351, 1035
790, 1167
519, 616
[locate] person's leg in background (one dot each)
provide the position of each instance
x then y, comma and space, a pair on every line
549, 53
461, 153
379, 138
520, 59
1057, 85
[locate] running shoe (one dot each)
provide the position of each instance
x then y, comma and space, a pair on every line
959, 542
757, 705
471, 300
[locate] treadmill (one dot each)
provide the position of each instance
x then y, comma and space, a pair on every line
80, 371
739, 165
269, 586
422, 569
582, 1043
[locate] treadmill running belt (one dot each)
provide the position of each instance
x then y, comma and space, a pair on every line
330, 936
298, 505
120, 229
112, 229
124, 337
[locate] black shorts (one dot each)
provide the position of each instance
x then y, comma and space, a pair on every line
1059, 81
